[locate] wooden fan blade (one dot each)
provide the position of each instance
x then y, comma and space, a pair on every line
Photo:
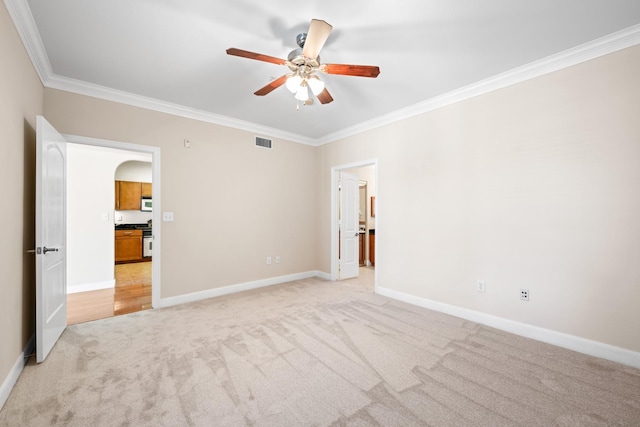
324, 97
275, 84
317, 35
352, 70
257, 56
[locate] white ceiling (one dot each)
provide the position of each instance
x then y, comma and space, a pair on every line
170, 54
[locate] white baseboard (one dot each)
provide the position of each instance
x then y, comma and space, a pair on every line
232, 289
571, 342
323, 275
84, 287
16, 370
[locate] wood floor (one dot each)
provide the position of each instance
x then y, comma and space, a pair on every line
131, 293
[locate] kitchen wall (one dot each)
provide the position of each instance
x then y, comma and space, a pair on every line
234, 204
91, 173
21, 100
532, 186
133, 170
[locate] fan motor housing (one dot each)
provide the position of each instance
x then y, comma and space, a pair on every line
297, 59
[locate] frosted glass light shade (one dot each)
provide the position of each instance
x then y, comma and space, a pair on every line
293, 83
316, 85
302, 94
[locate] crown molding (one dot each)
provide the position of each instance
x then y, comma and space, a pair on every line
23, 20
585, 52
25, 24
101, 92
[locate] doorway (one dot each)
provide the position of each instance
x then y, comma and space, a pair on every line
366, 170
95, 240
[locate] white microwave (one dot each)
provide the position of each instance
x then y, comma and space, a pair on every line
146, 204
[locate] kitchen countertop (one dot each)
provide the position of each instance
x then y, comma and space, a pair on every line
143, 227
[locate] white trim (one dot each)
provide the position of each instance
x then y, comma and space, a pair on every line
570, 57
323, 275
25, 24
108, 94
571, 342
95, 286
16, 370
240, 287
157, 201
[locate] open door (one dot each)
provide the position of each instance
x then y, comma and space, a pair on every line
51, 237
349, 225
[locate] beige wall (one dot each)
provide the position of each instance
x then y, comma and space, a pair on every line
20, 101
234, 203
533, 186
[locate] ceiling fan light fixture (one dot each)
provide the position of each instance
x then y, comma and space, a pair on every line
303, 93
315, 84
303, 63
293, 83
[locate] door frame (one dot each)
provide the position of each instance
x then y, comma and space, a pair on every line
157, 200
335, 178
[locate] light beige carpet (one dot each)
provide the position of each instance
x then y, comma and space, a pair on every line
314, 353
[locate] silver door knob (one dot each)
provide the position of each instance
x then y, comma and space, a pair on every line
46, 249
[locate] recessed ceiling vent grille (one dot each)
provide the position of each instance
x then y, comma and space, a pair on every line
263, 142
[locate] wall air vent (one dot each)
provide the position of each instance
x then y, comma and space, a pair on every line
263, 142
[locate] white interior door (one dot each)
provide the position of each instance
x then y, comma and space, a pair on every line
349, 225
51, 237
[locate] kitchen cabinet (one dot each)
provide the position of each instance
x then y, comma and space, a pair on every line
372, 247
361, 249
128, 245
128, 195
146, 189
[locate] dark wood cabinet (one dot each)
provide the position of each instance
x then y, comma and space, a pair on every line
128, 245
361, 248
372, 248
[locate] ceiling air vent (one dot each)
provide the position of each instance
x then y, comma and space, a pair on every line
263, 142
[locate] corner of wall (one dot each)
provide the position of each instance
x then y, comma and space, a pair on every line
16, 370
571, 342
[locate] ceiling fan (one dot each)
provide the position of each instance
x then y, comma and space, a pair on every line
304, 63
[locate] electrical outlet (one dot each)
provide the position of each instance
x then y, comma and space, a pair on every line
187, 143
278, 259
524, 294
268, 260
481, 286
